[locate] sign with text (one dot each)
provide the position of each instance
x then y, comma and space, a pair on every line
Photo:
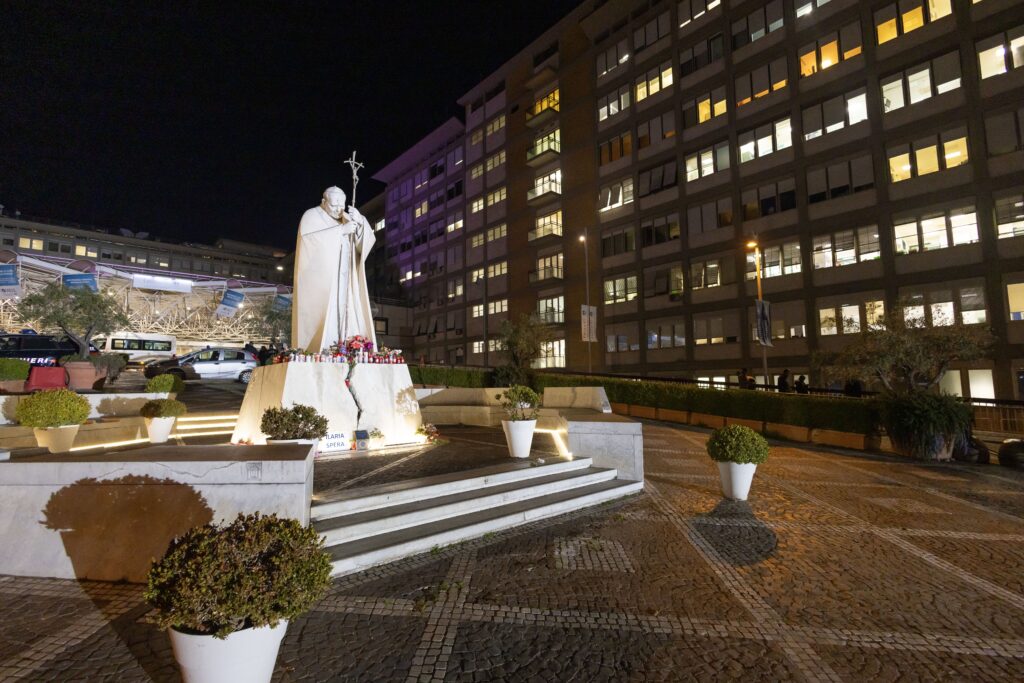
281, 303
10, 285
764, 323
588, 323
229, 303
334, 442
80, 281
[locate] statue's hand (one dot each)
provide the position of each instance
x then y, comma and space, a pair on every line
354, 214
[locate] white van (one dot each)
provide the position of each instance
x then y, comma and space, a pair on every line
141, 346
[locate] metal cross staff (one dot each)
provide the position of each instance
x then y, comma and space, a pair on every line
355, 174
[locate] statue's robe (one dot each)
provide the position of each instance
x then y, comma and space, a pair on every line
330, 300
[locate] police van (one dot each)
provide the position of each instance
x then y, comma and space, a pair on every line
37, 349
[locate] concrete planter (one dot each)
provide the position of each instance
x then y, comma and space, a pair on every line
705, 420
788, 432
756, 425
57, 439
829, 437
82, 375
736, 479
12, 386
519, 435
246, 655
669, 415
643, 411
159, 428
620, 408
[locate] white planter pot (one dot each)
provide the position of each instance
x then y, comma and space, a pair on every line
519, 435
247, 655
159, 428
736, 479
57, 439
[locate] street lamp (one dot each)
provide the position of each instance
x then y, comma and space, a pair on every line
752, 244
586, 266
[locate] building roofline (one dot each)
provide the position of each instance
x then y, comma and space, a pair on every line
451, 128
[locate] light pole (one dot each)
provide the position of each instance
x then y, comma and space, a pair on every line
586, 266
752, 244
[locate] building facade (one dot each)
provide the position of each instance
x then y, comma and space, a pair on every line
873, 150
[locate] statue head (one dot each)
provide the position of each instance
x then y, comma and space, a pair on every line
333, 202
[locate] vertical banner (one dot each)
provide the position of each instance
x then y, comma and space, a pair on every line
229, 304
764, 323
80, 281
588, 323
10, 285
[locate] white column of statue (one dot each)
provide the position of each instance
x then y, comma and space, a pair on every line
331, 302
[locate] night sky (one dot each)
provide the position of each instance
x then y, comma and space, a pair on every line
193, 120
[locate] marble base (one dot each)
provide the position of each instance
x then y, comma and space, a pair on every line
376, 397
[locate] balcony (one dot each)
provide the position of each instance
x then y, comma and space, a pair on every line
549, 230
543, 110
549, 273
543, 151
543, 192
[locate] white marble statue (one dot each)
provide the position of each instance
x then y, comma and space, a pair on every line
330, 298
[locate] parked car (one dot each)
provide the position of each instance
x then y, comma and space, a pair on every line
213, 363
37, 349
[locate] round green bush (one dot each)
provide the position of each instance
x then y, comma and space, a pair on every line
739, 444
114, 363
165, 383
922, 425
14, 369
163, 407
52, 408
297, 422
249, 573
519, 402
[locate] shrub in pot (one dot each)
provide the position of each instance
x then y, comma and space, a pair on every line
225, 593
160, 416
738, 450
13, 373
55, 415
165, 384
520, 405
110, 364
923, 425
298, 424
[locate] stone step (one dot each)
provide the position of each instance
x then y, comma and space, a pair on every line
373, 550
424, 488
356, 525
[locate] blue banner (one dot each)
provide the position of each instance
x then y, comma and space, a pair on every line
281, 303
10, 285
80, 281
229, 303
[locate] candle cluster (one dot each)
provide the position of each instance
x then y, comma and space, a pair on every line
354, 350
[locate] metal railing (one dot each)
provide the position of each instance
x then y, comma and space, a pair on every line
542, 188
549, 273
546, 144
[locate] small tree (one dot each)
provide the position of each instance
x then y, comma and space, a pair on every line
906, 356
522, 341
79, 313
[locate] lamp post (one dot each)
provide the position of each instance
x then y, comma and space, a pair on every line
752, 244
586, 266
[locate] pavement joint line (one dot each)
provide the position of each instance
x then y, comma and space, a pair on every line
986, 586
927, 489
366, 475
801, 654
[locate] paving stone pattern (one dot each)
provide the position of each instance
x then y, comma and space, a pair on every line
841, 567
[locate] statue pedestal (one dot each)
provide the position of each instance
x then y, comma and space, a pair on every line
378, 397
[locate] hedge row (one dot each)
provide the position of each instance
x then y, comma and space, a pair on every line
840, 414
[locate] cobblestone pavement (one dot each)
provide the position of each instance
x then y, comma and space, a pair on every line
841, 567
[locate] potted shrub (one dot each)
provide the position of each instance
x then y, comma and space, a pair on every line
738, 450
109, 365
298, 424
376, 438
520, 405
165, 384
225, 593
55, 415
13, 373
924, 425
160, 416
